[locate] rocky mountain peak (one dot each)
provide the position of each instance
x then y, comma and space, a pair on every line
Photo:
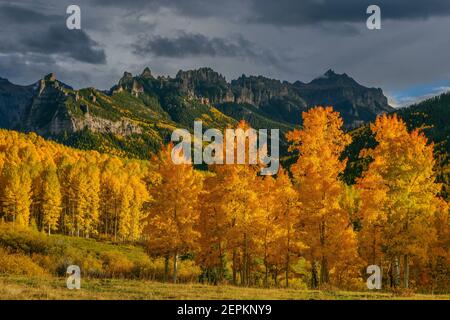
50, 81
201, 75
126, 79
147, 73
126, 76
330, 73
51, 77
333, 79
256, 81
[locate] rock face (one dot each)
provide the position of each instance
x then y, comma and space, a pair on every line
146, 73
356, 103
128, 82
284, 101
95, 124
204, 82
43, 108
50, 107
258, 90
46, 114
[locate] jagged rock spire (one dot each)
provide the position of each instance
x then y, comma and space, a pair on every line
330, 73
50, 77
147, 73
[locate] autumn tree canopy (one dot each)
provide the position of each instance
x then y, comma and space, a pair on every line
303, 226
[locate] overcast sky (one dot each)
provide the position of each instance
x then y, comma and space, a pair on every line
283, 39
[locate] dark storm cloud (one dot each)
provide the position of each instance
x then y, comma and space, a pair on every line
192, 44
292, 12
31, 32
305, 12
23, 15
191, 8
72, 43
232, 36
195, 44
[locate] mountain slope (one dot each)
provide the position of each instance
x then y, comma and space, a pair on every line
85, 118
431, 117
284, 101
128, 121
356, 103
139, 113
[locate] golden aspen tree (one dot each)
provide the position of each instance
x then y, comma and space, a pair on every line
433, 273
268, 201
280, 241
22, 159
401, 179
138, 212
133, 201
288, 243
174, 213
132, 213
80, 197
16, 194
240, 203
85, 188
124, 209
107, 178
113, 178
36, 167
50, 200
213, 227
67, 177
320, 144
93, 198
36, 213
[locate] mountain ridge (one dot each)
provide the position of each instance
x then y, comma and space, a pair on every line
146, 108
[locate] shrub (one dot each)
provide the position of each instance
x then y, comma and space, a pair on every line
19, 264
47, 263
89, 264
99, 259
23, 240
188, 271
297, 283
117, 265
149, 269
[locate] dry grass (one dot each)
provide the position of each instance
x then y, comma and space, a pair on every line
19, 287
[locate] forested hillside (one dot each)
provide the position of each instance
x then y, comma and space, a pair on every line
306, 228
431, 117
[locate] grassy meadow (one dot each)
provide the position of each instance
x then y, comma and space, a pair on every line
33, 266
19, 287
